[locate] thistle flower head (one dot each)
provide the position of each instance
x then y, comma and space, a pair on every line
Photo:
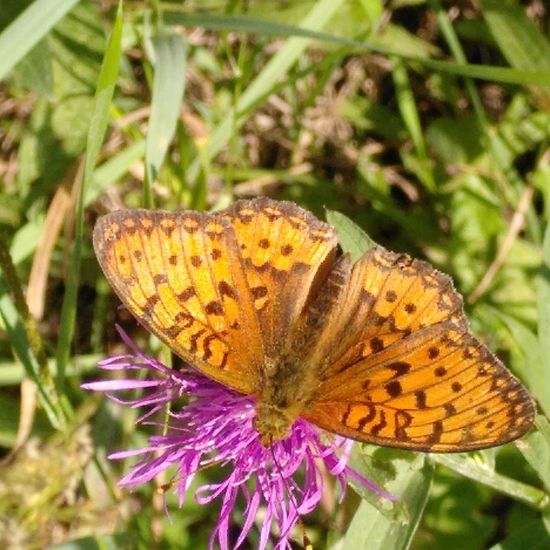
216, 427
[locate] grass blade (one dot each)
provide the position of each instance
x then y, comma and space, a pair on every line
168, 89
28, 29
253, 25
409, 113
98, 126
277, 67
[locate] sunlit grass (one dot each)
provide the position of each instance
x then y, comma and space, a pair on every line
427, 124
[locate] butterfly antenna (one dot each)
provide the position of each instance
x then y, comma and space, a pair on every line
306, 543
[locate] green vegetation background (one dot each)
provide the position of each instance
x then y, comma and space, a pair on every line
425, 122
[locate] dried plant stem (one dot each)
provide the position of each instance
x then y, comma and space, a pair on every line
513, 231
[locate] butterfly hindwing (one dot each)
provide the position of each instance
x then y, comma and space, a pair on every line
412, 377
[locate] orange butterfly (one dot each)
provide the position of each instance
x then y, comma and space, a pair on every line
256, 298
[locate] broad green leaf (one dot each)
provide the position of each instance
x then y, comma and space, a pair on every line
351, 237
28, 29
475, 468
372, 528
520, 40
35, 70
455, 139
533, 536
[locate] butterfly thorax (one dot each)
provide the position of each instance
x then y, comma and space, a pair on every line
291, 380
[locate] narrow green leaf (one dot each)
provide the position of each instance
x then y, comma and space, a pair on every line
448, 31
497, 148
97, 542
28, 29
351, 237
527, 360
542, 285
18, 340
473, 468
407, 106
524, 46
98, 126
258, 26
9, 419
536, 449
103, 96
12, 372
24, 242
168, 89
113, 169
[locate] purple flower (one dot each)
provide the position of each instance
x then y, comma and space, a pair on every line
216, 427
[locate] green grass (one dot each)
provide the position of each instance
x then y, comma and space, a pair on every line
428, 129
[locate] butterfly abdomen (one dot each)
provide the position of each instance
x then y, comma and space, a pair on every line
286, 390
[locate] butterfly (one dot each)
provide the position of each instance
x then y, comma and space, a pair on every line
258, 298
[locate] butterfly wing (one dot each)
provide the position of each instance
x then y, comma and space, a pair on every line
222, 290
182, 277
286, 253
401, 368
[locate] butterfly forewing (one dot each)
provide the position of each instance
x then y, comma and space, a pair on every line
285, 251
180, 274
